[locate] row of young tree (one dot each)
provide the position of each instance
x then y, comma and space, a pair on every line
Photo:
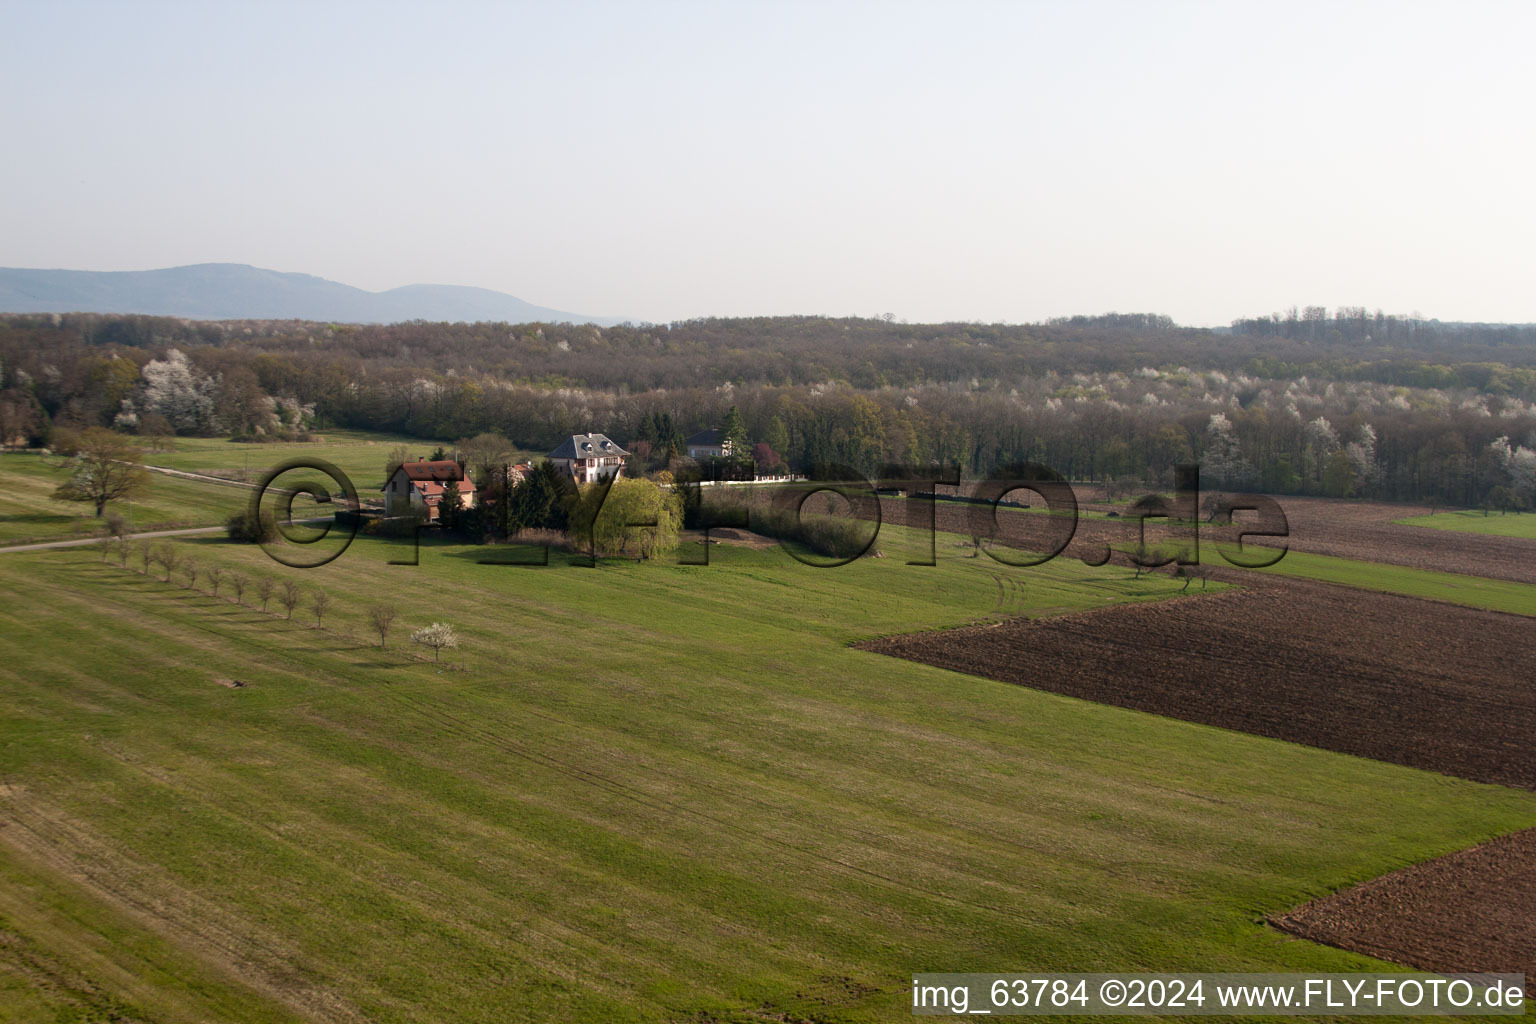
151, 558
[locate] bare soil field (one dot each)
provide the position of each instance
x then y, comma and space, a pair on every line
1471, 911
1360, 530
1396, 679
1364, 530
731, 535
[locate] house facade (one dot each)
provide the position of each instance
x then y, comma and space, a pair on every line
587, 458
418, 487
708, 444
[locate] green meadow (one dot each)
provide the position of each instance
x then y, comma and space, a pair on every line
637, 792
1456, 588
1467, 521
359, 454
28, 512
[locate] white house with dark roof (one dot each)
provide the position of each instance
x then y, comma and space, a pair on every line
587, 458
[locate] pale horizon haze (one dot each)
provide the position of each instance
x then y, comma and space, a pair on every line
945, 161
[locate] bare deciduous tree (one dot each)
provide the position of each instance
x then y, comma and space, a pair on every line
189, 570
382, 618
215, 576
237, 583
168, 557
264, 587
1190, 573
289, 598
487, 452
397, 455
107, 467
321, 603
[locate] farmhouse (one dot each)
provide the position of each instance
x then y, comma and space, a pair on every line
587, 458
418, 487
708, 444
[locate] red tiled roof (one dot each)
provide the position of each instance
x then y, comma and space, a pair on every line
441, 470
431, 478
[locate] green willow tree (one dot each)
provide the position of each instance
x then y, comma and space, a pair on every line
637, 518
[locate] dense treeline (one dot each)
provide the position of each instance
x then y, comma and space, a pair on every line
1350, 404
862, 353
1355, 325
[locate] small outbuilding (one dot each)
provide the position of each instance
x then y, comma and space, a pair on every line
708, 444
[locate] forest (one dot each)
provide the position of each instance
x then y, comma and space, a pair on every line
1347, 403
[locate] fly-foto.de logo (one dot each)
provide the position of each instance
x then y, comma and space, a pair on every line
1020, 515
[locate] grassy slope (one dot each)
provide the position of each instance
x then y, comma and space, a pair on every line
79, 960
1457, 588
1523, 526
359, 454
29, 513
655, 790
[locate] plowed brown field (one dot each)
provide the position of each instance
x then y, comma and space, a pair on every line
1393, 678
1417, 683
1472, 911
1345, 529
1364, 530
1361, 530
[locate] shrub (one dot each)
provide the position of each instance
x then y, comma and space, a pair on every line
405, 525
830, 536
835, 538
541, 537
243, 526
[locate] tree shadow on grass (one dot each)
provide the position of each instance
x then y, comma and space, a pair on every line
40, 518
214, 541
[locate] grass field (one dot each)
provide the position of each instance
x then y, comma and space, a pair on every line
639, 792
1475, 522
357, 453
1473, 591
29, 513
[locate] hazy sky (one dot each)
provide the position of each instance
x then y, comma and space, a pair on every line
662, 161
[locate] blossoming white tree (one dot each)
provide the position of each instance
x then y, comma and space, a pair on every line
436, 636
176, 390
1224, 454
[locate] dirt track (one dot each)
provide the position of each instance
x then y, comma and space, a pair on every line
1471, 911
1392, 678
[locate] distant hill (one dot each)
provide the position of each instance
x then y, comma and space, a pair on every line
234, 291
